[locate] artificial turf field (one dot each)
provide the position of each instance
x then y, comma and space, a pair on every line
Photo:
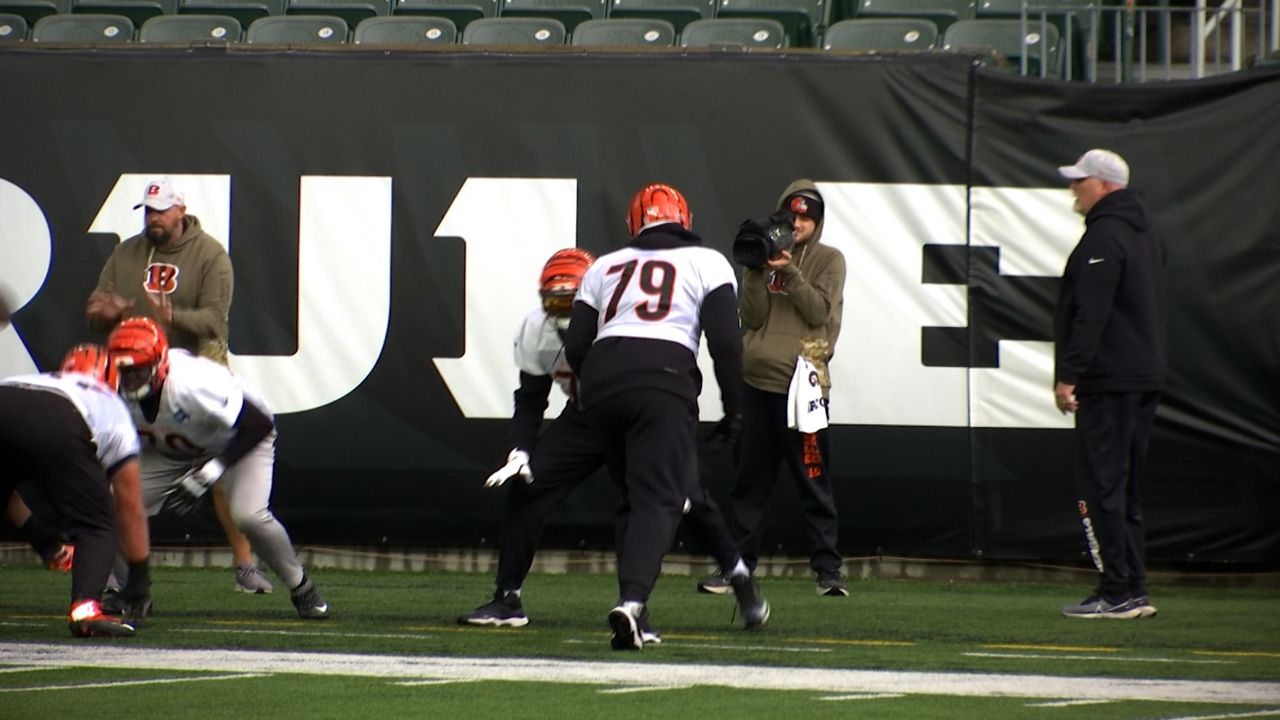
893, 649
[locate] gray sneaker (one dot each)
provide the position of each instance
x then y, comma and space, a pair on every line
831, 584
1145, 608
716, 584
1096, 607
249, 579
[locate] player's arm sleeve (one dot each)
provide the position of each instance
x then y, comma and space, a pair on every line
252, 427
208, 319
815, 297
580, 335
106, 281
719, 318
753, 301
530, 404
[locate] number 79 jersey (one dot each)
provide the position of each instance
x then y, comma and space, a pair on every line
654, 294
199, 405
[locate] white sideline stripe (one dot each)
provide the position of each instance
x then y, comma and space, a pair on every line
861, 696
435, 681
26, 669
528, 669
1111, 658
127, 683
714, 646
1068, 703
644, 688
305, 633
1230, 716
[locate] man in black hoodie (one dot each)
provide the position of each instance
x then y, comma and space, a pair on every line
633, 343
1109, 367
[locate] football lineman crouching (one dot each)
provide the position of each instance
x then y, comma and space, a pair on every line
70, 433
201, 427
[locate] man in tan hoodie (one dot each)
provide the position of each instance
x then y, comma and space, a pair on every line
790, 307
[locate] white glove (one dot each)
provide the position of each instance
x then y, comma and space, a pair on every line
186, 493
517, 464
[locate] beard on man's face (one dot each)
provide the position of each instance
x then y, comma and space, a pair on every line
157, 234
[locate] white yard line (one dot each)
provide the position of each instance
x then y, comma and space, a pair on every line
828, 680
126, 683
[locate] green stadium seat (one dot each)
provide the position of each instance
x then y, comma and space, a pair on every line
461, 12
745, 33
245, 11
406, 30
1073, 18
352, 11
941, 12
83, 29
803, 20
515, 31
298, 30
13, 28
873, 34
138, 11
1008, 38
33, 10
191, 29
625, 32
677, 12
568, 12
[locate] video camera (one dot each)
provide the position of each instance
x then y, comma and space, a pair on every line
759, 241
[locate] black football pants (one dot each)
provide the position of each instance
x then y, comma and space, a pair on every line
44, 439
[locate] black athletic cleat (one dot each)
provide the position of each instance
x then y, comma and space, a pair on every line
87, 620
648, 635
751, 604
1095, 606
625, 621
307, 600
504, 610
831, 584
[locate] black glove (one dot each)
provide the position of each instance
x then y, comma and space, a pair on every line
725, 433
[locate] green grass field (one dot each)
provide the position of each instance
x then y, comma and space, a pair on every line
893, 649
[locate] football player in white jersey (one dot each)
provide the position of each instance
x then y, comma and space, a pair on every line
70, 434
564, 456
200, 426
633, 343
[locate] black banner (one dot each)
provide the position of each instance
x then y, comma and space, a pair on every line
387, 215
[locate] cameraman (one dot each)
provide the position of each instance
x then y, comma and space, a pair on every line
790, 307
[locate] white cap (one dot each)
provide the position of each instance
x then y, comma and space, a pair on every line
161, 195
1102, 164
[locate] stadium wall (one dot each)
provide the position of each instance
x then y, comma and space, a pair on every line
387, 214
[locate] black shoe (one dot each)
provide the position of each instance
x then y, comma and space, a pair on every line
831, 584
504, 611
87, 620
648, 635
625, 621
751, 604
307, 600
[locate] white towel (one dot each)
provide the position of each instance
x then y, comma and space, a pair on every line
806, 408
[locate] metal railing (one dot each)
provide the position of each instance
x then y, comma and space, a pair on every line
1131, 43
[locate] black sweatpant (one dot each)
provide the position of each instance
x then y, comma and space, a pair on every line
1113, 431
648, 438
43, 438
765, 444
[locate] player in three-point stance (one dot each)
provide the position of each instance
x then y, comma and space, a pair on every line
70, 433
201, 426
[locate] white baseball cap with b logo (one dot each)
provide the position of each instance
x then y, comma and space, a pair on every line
161, 195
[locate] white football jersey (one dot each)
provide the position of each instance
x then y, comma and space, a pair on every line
199, 404
654, 294
539, 350
105, 414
